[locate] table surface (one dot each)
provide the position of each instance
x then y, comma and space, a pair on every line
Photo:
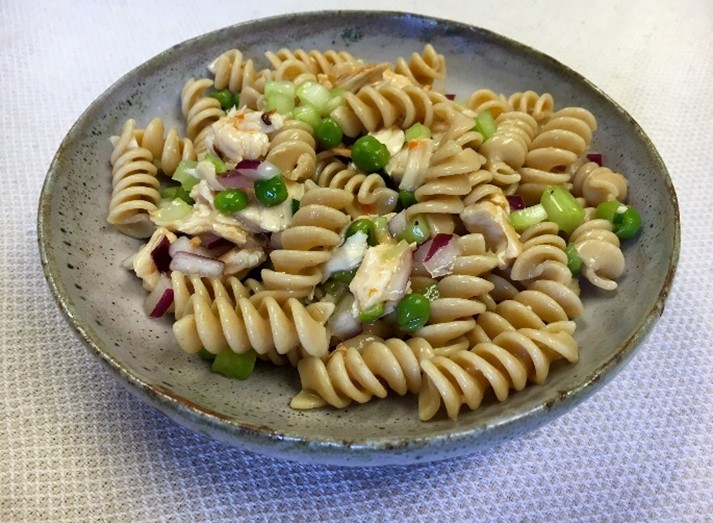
76, 446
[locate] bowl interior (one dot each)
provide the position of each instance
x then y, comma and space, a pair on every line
81, 252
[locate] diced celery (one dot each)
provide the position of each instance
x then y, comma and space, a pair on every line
233, 365
372, 314
307, 114
528, 217
562, 208
177, 209
416, 231
282, 88
220, 167
417, 131
381, 230
574, 262
185, 174
281, 103
397, 250
314, 94
485, 124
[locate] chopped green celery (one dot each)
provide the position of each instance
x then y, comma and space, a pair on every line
528, 217
279, 102
233, 365
431, 292
417, 131
337, 100
397, 250
562, 208
372, 314
381, 230
220, 167
186, 174
485, 124
307, 114
205, 355
574, 262
283, 88
416, 231
314, 94
626, 219
177, 209
345, 276
170, 193
406, 198
332, 287
606, 210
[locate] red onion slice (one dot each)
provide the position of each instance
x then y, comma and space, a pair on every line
438, 254
211, 241
516, 202
595, 157
189, 263
161, 254
159, 300
235, 180
257, 170
451, 96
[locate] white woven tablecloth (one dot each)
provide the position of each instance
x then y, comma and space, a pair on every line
75, 446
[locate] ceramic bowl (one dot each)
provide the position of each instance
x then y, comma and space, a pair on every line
103, 303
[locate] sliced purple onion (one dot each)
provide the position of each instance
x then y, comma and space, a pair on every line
516, 202
451, 96
159, 300
595, 157
438, 254
189, 263
235, 180
257, 170
212, 241
161, 254
181, 244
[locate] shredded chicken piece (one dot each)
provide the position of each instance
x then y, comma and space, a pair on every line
381, 278
493, 222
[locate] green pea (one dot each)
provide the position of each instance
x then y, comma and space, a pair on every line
362, 225
627, 223
574, 262
230, 201
225, 98
416, 231
413, 312
344, 277
328, 133
295, 204
271, 192
406, 198
372, 314
369, 154
233, 365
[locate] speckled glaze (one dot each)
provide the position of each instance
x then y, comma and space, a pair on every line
81, 253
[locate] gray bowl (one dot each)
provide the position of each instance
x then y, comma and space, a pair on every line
103, 303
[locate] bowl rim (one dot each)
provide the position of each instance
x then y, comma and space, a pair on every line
457, 440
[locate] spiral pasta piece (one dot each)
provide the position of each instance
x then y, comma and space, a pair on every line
308, 242
598, 184
232, 71
483, 100
168, 150
506, 150
372, 108
315, 62
201, 111
135, 188
292, 149
599, 248
350, 374
539, 106
371, 195
187, 286
508, 362
561, 140
423, 69
270, 326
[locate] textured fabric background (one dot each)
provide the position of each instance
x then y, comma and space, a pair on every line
75, 446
